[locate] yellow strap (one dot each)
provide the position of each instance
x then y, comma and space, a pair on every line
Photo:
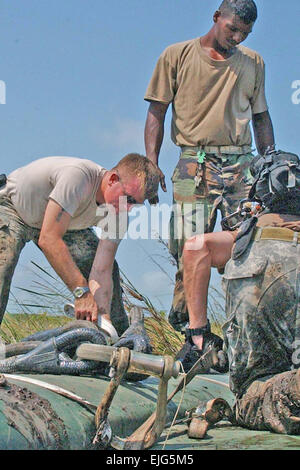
276, 233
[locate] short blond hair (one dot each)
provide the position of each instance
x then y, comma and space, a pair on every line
140, 166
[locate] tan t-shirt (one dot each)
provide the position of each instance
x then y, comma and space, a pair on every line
291, 222
213, 101
71, 182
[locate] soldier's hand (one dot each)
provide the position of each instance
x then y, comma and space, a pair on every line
162, 181
155, 199
86, 308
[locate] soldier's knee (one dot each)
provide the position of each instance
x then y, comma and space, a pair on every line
195, 243
192, 247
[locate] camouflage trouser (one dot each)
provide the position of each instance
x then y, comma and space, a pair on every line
226, 180
82, 244
271, 404
261, 333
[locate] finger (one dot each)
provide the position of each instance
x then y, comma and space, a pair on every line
94, 317
163, 184
82, 316
77, 314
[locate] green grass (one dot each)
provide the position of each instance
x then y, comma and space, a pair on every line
49, 294
164, 339
17, 326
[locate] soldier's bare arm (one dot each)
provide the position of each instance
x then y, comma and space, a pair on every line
100, 280
263, 131
55, 224
154, 134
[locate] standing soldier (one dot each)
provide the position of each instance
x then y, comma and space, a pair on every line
216, 87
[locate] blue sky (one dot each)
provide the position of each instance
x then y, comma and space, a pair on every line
76, 72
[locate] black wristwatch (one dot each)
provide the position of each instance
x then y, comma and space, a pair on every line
78, 292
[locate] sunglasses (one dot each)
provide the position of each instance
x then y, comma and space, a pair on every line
130, 199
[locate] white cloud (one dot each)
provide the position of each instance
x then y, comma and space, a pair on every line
123, 134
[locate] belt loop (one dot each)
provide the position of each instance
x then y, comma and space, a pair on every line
296, 238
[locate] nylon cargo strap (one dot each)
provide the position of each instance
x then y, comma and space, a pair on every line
244, 237
149, 432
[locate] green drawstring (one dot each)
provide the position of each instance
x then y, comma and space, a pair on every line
201, 157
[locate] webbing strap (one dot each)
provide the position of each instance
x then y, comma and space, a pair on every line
276, 233
221, 149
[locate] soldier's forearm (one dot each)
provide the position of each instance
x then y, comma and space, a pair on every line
101, 286
154, 135
100, 278
58, 255
263, 132
154, 130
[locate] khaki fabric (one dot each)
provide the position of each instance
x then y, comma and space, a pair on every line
71, 182
213, 101
291, 222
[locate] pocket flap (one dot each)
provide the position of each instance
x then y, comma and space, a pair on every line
250, 268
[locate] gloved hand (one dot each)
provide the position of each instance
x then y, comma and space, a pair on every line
190, 353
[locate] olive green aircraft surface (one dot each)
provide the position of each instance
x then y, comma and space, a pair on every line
68, 389
58, 412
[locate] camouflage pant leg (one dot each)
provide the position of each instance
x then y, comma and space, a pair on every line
82, 245
13, 236
262, 302
226, 180
271, 404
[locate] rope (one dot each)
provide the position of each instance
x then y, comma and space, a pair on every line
178, 408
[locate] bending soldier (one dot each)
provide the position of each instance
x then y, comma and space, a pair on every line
55, 202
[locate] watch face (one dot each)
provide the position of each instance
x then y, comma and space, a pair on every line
78, 292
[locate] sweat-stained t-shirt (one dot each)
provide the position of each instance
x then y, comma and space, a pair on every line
212, 100
292, 222
71, 182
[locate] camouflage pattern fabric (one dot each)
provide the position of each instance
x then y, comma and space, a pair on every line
226, 179
261, 334
271, 404
82, 244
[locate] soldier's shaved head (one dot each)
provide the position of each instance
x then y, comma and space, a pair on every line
246, 10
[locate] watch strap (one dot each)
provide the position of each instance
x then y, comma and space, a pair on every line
78, 292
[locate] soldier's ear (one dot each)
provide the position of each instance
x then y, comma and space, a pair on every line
113, 178
216, 16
